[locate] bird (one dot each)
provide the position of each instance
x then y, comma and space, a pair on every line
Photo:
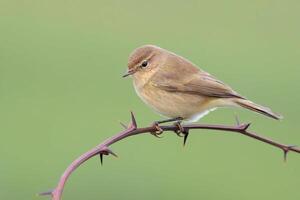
178, 89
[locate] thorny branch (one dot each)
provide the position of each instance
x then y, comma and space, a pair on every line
132, 129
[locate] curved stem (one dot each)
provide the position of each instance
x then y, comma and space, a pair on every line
103, 148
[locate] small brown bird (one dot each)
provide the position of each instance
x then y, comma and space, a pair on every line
178, 89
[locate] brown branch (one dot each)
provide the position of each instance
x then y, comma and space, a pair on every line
132, 129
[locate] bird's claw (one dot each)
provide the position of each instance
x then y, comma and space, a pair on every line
180, 130
158, 131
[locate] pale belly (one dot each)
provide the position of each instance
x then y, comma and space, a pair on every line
173, 104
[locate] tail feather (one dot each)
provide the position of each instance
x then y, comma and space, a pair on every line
257, 108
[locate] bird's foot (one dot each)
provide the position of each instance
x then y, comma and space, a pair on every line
158, 130
181, 131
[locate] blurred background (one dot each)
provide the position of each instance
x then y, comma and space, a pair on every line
61, 93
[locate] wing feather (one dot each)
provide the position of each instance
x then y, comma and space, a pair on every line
197, 83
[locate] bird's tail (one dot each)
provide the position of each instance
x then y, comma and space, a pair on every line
257, 108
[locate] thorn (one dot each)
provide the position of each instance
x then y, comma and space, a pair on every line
237, 120
133, 121
111, 152
123, 125
285, 152
186, 134
101, 158
244, 127
106, 151
47, 193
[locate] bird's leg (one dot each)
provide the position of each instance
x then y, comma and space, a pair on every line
157, 123
169, 120
181, 132
158, 130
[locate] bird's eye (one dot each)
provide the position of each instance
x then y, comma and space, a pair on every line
144, 63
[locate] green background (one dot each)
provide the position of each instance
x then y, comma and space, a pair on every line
61, 94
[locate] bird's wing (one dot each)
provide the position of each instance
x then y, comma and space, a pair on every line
196, 82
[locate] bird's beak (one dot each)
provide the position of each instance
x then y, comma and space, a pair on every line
129, 72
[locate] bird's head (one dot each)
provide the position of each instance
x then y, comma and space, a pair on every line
144, 61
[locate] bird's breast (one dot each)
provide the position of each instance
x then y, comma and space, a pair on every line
172, 104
